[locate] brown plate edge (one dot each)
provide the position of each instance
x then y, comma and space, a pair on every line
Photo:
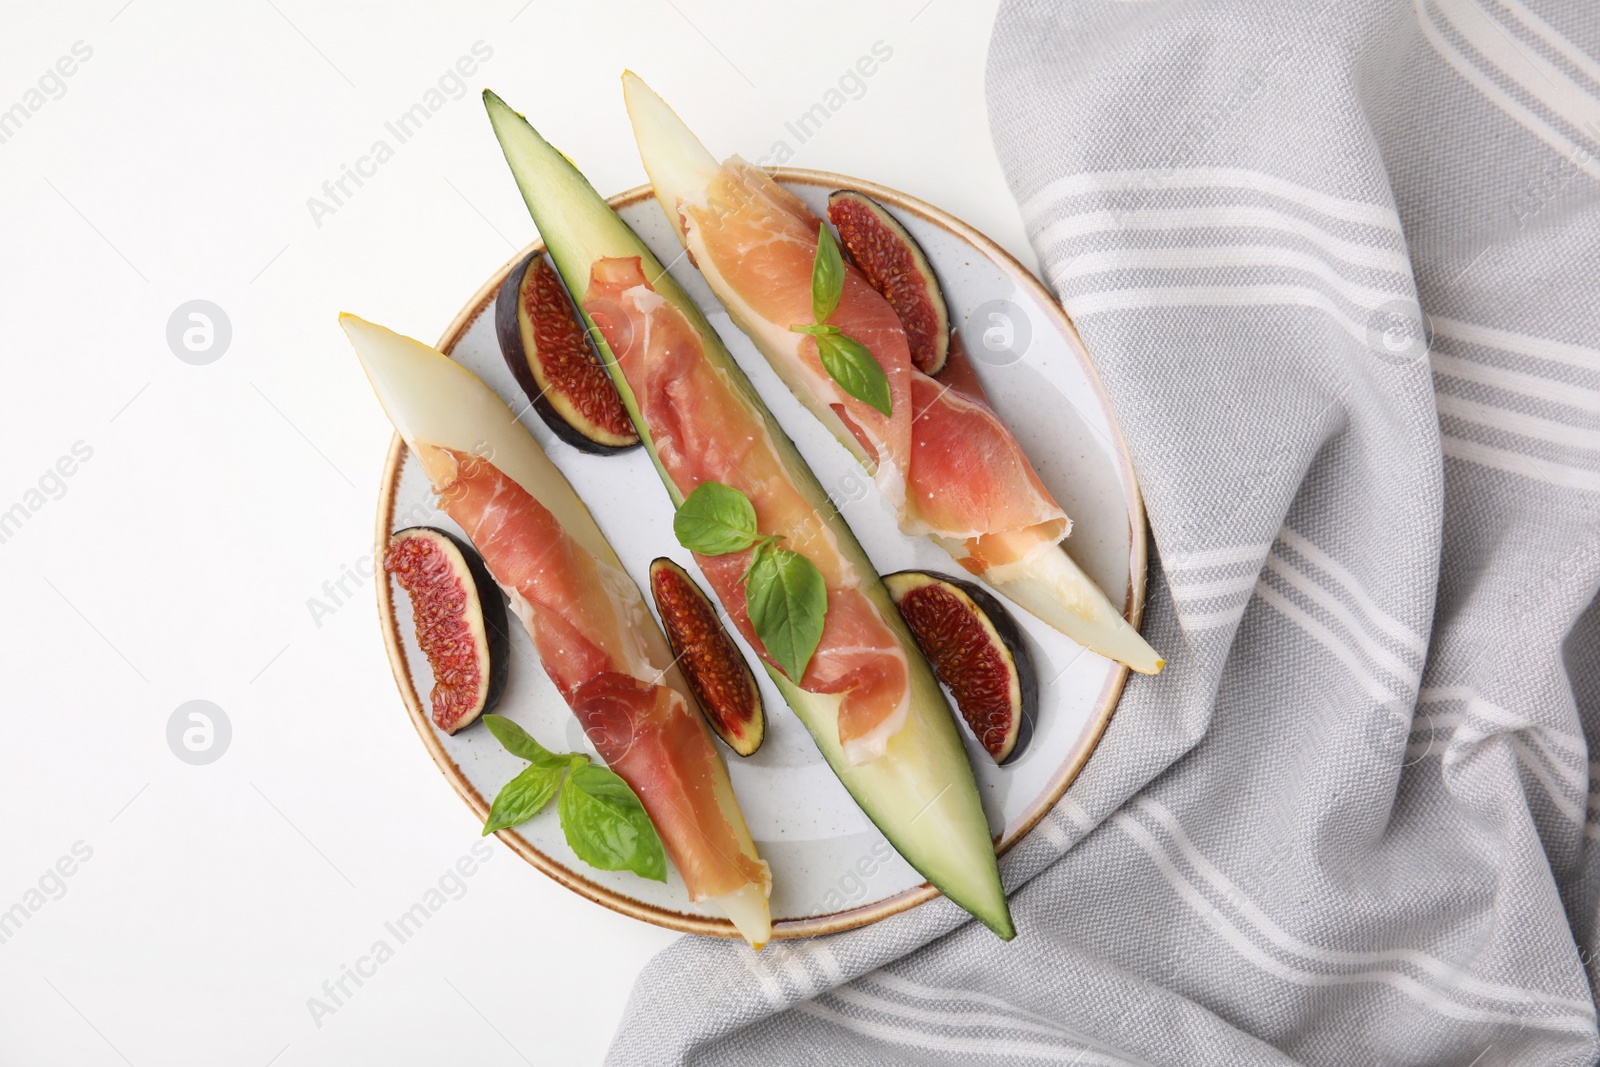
835, 922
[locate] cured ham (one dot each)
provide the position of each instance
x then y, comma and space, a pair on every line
588, 622
703, 428
969, 479
920, 792
759, 232
587, 631
948, 465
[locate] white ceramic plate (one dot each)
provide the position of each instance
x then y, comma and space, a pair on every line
831, 869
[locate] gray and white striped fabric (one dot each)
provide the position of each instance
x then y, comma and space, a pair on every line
1350, 822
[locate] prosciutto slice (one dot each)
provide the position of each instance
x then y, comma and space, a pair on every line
587, 633
588, 621
948, 465
705, 428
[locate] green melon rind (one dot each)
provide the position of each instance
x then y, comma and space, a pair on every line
921, 793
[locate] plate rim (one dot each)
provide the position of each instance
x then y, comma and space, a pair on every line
833, 922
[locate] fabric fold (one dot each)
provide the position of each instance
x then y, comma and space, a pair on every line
1334, 264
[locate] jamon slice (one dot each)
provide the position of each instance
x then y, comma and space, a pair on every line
947, 464
587, 619
920, 792
704, 430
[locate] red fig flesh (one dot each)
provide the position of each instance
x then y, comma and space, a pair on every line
460, 621
977, 652
553, 358
719, 676
896, 266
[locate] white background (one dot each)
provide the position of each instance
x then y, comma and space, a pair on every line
177, 562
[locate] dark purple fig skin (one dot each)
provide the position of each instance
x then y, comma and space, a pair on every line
508, 330
1011, 638
490, 601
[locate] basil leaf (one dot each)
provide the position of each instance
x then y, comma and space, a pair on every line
522, 797
786, 599
714, 520
763, 546
607, 826
849, 363
517, 741
814, 329
827, 276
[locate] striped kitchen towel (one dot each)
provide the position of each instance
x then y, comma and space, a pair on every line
1338, 265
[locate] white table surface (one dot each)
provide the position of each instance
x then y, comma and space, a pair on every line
180, 559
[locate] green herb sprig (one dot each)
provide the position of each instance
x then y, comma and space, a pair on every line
846, 360
785, 595
604, 823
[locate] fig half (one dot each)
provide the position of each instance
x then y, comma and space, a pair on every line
896, 266
460, 621
555, 361
977, 652
719, 676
